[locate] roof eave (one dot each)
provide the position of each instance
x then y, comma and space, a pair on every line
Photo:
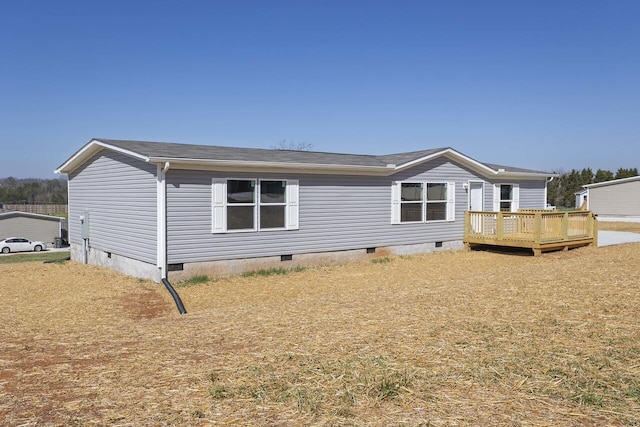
91, 148
182, 163
95, 146
525, 175
612, 182
460, 158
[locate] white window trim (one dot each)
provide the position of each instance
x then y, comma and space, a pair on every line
219, 205
515, 196
259, 204
447, 200
254, 204
396, 202
421, 202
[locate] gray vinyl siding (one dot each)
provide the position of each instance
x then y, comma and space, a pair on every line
622, 199
532, 194
120, 194
336, 213
31, 228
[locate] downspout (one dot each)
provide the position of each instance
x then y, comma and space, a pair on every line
162, 234
546, 194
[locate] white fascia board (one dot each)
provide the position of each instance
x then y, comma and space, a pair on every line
239, 165
612, 182
85, 152
454, 155
524, 175
324, 169
91, 148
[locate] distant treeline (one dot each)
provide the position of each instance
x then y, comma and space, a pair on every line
561, 191
33, 190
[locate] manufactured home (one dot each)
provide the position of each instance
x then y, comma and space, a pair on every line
166, 210
619, 198
45, 228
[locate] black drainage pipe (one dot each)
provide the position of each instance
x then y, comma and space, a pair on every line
53, 261
175, 296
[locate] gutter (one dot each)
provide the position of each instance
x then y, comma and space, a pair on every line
317, 168
523, 175
240, 164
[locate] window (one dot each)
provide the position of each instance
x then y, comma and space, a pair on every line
241, 203
273, 201
411, 202
419, 202
505, 197
436, 202
252, 204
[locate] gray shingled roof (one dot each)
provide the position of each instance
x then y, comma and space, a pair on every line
189, 153
212, 152
402, 158
511, 168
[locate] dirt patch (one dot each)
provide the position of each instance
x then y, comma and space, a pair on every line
444, 339
144, 305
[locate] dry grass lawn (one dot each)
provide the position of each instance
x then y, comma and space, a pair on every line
632, 227
443, 339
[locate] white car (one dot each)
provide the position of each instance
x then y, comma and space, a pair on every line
20, 244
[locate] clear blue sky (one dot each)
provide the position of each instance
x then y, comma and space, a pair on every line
546, 85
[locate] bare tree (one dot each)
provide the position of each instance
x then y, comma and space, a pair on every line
293, 146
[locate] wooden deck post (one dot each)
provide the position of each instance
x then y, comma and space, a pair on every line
565, 226
499, 225
537, 226
467, 223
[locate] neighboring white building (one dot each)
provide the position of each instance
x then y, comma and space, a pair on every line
619, 198
581, 197
45, 228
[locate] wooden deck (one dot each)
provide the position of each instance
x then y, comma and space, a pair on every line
539, 230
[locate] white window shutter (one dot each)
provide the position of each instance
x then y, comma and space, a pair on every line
293, 204
515, 195
218, 205
451, 201
395, 202
496, 197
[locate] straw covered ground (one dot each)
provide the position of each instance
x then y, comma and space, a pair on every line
443, 339
632, 227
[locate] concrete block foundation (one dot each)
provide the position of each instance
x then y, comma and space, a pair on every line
222, 268
239, 266
128, 266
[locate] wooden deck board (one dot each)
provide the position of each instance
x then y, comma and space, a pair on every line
540, 231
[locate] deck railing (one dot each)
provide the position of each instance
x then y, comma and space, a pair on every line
529, 228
